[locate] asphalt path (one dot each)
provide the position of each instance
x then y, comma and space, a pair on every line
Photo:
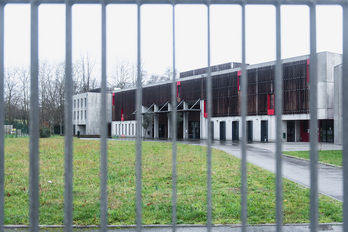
330, 179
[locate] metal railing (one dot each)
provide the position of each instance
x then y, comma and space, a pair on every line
34, 108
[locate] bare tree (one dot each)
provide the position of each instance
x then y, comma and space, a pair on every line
47, 106
60, 94
168, 75
83, 75
134, 74
121, 77
11, 95
24, 86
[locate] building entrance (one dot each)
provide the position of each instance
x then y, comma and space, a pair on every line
249, 131
194, 130
235, 130
264, 131
290, 131
326, 131
222, 131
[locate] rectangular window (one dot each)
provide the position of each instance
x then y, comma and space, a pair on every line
85, 114
78, 103
74, 115
81, 114
74, 103
78, 115
85, 102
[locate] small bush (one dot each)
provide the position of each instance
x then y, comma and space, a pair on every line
45, 132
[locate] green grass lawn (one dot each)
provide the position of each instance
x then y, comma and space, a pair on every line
330, 157
157, 184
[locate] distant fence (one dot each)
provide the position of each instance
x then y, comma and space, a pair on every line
34, 108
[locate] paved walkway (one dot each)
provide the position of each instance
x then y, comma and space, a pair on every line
262, 155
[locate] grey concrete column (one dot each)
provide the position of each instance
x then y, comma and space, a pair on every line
185, 121
155, 121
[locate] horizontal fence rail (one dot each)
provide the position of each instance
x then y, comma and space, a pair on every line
206, 2
34, 108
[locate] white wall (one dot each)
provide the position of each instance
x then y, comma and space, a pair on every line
123, 128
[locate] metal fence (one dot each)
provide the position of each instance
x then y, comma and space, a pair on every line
34, 108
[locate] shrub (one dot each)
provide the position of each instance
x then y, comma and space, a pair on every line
45, 132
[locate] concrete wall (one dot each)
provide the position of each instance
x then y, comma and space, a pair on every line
338, 120
90, 108
326, 63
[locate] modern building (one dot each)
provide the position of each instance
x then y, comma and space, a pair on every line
226, 117
86, 112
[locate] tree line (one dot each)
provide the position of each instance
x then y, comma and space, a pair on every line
52, 89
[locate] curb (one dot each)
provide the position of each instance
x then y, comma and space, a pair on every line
326, 164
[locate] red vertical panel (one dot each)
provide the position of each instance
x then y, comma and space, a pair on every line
269, 110
113, 99
122, 116
178, 84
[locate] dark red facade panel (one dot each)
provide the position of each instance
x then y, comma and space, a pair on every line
227, 94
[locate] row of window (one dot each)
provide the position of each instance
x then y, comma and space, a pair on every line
78, 103
77, 113
125, 129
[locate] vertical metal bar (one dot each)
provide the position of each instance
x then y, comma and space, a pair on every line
2, 119
244, 113
139, 128
345, 117
68, 130
174, 134
313, 121
279, 112
103, 126
210, 112
34, 119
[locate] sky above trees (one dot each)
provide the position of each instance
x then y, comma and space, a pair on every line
156, 35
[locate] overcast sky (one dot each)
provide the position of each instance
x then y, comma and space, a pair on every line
191, 34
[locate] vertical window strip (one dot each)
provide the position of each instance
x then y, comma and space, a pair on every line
313, 122
34, 119
68, 139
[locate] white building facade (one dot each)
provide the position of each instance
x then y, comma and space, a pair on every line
87, 111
